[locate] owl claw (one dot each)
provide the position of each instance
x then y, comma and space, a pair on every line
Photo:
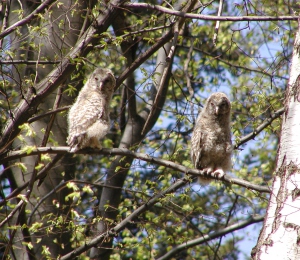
219, 173
73, 149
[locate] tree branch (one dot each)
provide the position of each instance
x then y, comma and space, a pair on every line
205, 238
256, 131
237, 66
125, 152
144, 56
218, 23
28, 106
120, 226
54, 111
210, 17
27, 19
28, 62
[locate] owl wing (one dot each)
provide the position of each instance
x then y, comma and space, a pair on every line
82, 116
197, 145
199, 150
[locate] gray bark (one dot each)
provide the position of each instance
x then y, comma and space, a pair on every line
54, 43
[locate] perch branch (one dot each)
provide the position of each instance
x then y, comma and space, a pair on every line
125, 152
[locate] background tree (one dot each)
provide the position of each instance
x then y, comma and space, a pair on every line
137, 198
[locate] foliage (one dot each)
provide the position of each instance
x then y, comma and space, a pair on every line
249, 62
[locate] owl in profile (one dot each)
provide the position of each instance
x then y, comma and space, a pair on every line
211, 139
88, 118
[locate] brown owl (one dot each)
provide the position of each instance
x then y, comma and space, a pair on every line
211, 139
89, 116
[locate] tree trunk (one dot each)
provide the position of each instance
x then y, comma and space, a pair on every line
280, 235
52, 44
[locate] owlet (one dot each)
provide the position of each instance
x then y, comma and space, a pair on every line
211, 139
89, 118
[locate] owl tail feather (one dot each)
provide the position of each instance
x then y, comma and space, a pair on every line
204, 181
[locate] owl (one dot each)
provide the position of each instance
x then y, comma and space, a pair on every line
211, 139
88, 118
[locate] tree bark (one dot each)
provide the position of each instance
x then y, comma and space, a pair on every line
280, 235
54, 44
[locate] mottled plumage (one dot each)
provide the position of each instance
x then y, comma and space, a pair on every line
211, 138
89, 116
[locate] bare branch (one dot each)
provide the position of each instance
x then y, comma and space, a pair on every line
62, 184
238, 66
144, 56
205, 238
188, 78
129, 51
11, 214
125, 152
28, 62
48, 113
210, 17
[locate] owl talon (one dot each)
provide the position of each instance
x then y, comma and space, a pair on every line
218, 174
73, 149
207, 171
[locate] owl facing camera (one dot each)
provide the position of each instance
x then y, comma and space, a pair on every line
211, 145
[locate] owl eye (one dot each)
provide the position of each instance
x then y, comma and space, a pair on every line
106, 81
96, 78
212, 104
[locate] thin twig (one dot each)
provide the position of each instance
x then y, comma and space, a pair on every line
208, 237
27, 19
188, 78
48, 130
27, 62
121, 225
237, 66
11, 214
226, 225
30, 120
164, 76
261, 127
5, 19
59, 186
211, 17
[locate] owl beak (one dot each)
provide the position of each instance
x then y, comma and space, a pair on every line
217, 110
